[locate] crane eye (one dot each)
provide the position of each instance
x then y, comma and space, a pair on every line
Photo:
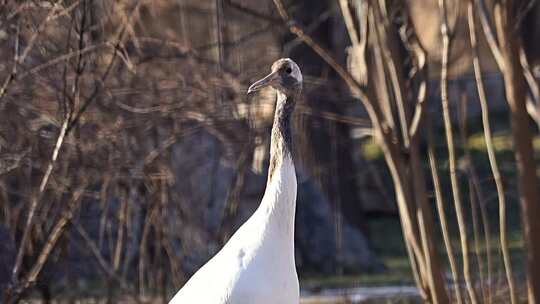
288, 70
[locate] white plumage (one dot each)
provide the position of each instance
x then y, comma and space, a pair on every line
257, 265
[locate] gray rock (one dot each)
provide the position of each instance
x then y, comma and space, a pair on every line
205, 194
316, 240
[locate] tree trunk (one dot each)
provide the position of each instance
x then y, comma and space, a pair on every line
514, 83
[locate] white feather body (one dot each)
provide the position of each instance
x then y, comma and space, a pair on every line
256, 266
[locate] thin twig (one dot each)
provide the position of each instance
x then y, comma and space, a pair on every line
533, 103
252, 12
35, 200
392, 72
56, 233
439, 200
63, 58
451, 153
103, 263
380, 72
488, 32
98, 87
474, 188
488, 137
13, 74
347, 17
19, 59
476, 237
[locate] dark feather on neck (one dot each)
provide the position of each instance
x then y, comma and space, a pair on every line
281, 145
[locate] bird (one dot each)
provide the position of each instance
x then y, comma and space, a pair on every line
257, 265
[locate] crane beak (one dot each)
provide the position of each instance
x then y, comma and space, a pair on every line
269, 80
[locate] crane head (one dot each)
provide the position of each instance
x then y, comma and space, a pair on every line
285, 77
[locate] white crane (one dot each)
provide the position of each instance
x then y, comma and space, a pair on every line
256, 266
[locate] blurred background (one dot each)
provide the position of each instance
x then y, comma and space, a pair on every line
129, 151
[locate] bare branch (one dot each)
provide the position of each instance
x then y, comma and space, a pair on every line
451, 153
488, 137
442, 216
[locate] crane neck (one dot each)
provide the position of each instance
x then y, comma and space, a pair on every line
279, 202
281, 145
